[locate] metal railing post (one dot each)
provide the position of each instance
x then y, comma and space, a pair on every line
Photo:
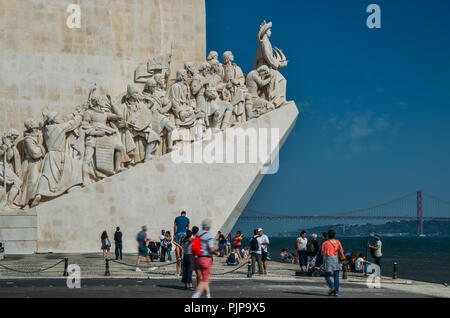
66, 265
395, 273
107, 272
344, 271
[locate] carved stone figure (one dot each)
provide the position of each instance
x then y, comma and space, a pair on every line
258, 82
160, 89
10, 166
216, 75
186, 116
274, 59
33, 155
235, 80
138, 137
101, 140
60, 172
200, 84
214, 56
189, 67
160, 107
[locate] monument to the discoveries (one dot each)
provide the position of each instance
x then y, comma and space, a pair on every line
117, 152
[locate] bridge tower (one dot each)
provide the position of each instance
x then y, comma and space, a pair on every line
420, 212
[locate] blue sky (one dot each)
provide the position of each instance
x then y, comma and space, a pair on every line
375, 103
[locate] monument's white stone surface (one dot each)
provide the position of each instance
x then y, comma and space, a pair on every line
153, 194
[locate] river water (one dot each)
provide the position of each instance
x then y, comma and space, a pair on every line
419, 258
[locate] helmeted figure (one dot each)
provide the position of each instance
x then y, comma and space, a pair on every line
101, 140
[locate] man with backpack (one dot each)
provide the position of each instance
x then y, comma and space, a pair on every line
312, 249
255, 252
203, 248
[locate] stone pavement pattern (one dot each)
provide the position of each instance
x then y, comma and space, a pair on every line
280, 281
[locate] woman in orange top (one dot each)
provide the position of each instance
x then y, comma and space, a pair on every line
330, 252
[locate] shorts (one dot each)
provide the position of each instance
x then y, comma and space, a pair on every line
143, 251
180, 237
264, 256
204, 265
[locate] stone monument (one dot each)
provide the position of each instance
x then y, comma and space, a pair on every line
126, 160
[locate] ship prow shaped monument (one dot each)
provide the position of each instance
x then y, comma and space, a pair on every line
200, 144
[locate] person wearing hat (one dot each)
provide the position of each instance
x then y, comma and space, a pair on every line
376, 250
264, 242
265, 53
274, 60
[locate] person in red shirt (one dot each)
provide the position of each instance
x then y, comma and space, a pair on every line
330, 252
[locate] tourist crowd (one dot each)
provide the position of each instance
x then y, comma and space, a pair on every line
194, 249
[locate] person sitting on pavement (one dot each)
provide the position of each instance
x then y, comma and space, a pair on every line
361, 264
245, 253
287, 257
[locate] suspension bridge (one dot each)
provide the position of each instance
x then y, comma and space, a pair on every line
416, 206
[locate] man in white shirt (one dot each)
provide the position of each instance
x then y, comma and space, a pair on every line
377, 250
302, 242
263, 241
255, 252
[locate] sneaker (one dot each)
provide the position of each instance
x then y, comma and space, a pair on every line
191, 288
138, 269
331, 292
151, 269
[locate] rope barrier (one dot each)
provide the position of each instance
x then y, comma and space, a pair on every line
172, 263
134, 265
233, 270
31, 272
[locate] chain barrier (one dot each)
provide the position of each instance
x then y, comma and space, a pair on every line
31, 272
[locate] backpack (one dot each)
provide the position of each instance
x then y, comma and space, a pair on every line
231, 258
310, 247
197, 245
139, 237
254, 245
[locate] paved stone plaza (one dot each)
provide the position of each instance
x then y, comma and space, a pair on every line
227, 281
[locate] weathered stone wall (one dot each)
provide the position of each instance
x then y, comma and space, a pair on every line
43, 63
